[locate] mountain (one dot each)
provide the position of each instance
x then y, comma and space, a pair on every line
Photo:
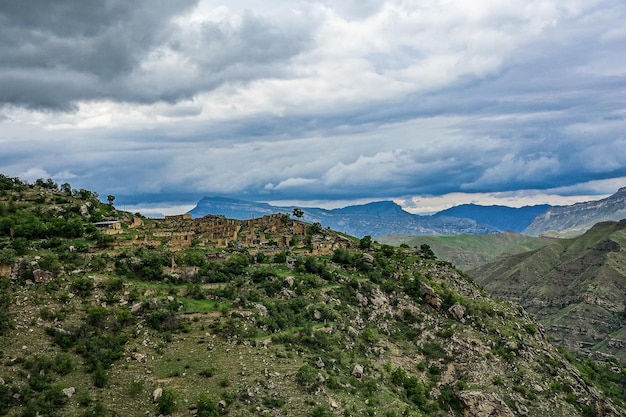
576, 287
374, 219
470, 251
103, 313
577, 218
502, 218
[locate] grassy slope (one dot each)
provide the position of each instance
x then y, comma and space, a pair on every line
255, 341
573, 284
470, 251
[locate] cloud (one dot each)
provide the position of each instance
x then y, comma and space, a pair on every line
314, 100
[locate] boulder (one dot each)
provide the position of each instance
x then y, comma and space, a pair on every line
69, 392
430, 296
40, 276
357, 371
289, 281
480, 404
157, 393
457, 311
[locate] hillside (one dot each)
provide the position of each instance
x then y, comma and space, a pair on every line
379, 218
129, 316
575, 287
569, 221
470, 251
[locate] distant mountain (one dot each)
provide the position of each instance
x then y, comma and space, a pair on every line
502, 218
375, 219
575, 287
577, 218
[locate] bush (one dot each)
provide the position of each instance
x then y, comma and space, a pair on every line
207, 407
306, 376
167, 402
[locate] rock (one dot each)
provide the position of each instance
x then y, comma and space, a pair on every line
69, 392
479, 404
262, 309
368, 259
357, 371
222, 404
289, 281
317, 315
320, 363
40, 276
457, 311
139, 357
156, 394
361, 299
430, 296
136, 308
288, 293
354, 333
333, 403
2, 381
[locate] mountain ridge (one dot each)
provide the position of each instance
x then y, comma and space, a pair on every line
376, 219
576, 287
577, 218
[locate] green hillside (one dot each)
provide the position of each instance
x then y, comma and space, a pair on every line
105, 313
469, 251
575, 287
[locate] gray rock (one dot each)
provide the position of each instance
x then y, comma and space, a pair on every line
457, 311
357, 371
157, 393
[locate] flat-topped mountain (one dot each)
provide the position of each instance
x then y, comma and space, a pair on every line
503, 218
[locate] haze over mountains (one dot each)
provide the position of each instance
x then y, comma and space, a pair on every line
385, 218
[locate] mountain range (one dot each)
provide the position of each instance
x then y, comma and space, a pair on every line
383, 218
577, 218
375, 219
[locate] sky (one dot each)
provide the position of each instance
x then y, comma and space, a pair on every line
429, 103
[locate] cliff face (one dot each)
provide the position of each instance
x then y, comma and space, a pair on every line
576, 219
575, 287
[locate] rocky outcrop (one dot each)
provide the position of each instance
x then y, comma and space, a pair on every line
480, 404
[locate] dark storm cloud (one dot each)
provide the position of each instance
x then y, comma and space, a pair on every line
314, 99
54, 54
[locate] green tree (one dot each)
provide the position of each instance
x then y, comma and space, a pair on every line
298, 212
110, 199
427, 252
66, 188
365, 242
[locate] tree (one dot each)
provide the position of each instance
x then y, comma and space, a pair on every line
298, 212
66, 188
427, 252
365, 242
110, 199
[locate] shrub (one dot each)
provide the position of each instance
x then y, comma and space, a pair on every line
167, 402
207, 407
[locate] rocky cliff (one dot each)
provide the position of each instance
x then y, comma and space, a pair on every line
576, 219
